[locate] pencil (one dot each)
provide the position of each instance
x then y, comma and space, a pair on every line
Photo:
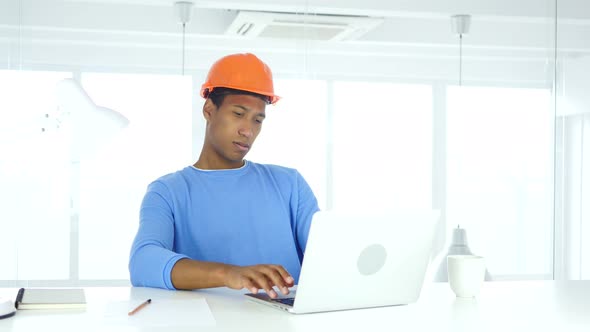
139, 307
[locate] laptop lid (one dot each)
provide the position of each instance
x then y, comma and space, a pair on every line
364, 259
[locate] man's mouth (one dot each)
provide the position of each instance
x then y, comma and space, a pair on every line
242, 146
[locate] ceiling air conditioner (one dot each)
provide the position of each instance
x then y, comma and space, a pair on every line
300, 26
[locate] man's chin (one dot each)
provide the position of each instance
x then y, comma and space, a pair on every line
238, 160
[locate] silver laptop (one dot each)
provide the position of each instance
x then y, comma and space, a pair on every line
359, 260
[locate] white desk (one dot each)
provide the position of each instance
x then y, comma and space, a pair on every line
501, 306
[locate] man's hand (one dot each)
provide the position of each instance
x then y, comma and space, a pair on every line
193, 274
256, 277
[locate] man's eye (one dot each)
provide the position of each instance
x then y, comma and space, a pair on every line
238, 113
258, 120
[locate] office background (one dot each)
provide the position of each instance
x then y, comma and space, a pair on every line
382, 106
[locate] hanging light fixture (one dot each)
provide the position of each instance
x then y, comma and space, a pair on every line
460, 26
183, 12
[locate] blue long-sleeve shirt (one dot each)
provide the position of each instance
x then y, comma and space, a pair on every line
256, 214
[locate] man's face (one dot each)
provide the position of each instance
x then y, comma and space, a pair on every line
233, 127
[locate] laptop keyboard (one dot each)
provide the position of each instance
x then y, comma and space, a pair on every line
287, 301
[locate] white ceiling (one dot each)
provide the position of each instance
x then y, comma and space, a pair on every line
508, 34
389, 8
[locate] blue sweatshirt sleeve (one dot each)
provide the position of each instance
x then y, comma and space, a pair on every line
307, 206
152, 259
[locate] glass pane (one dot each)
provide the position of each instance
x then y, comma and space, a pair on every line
572, 199
113, 180
382, 145
35, 178
500, 176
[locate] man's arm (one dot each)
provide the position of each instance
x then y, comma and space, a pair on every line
306, 205
151, 259
153, 262
192, 274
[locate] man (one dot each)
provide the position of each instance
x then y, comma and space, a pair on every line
226, 221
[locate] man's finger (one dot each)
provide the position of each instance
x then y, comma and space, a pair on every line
285, 275
275, 276
250, 286
263, 282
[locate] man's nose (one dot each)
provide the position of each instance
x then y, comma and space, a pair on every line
246, 131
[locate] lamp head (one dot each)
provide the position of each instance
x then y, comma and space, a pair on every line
90, 125
183, 11
460, 24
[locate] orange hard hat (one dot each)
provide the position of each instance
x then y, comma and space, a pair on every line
242, 71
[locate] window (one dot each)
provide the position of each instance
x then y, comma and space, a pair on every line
500, 176
35, 178
358, 145
382, 145
113, 181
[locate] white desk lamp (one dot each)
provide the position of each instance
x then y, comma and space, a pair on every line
458, 246
90, 124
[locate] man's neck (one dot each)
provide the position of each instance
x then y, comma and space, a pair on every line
211, 164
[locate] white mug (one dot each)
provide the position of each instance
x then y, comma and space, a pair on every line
466, 274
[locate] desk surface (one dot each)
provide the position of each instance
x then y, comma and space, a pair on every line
501, 306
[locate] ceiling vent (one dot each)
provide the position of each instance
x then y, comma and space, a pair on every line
300, 26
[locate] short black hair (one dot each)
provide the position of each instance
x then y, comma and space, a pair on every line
217, 95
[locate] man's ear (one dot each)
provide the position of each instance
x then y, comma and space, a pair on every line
208, 109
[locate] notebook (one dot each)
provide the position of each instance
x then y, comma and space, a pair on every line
359, 260
50, 298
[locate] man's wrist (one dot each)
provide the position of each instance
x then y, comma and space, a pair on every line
223, 273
